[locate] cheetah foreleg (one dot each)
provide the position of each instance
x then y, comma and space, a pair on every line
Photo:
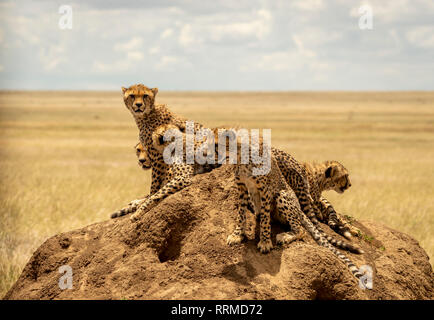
238, 235
265, 244
130, 208
170, 188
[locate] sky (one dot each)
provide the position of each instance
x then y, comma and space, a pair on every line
217, 45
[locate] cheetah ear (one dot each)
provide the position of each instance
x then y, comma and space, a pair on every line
154, 91
328, 172
124, 90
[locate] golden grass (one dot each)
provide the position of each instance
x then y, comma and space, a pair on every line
67, 158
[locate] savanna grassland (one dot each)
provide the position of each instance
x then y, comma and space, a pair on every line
67, 158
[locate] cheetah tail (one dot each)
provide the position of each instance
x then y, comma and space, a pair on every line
322, 241
340, 244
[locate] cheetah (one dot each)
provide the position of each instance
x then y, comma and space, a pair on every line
299, 178
272, 196
140, 101
142, 157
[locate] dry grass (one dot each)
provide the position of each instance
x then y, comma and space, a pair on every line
67, 158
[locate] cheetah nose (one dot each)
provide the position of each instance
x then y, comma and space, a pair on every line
138, 104
349, 185
141, 160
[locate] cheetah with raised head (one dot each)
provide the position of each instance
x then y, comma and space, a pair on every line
272, 197
140, 101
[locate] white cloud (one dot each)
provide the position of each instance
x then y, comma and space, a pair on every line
133, 44
257, 28
135, 55
154, 50
301, 49
167, 33
219, 28
52, 56
167, 62
132, 51
122, 65
186, 36
421, 36
309, 5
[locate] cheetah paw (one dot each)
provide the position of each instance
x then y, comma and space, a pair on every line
265, 246
355, 231
347, 235
234, 239
285, 238
135, 217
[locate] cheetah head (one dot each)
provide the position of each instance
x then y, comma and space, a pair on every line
142, 156
139, 99
336, 176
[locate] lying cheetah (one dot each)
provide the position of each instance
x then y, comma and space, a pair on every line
271, 194
144, 163
142, 157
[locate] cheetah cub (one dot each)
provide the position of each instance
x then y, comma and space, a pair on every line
144, 162
142, 157
330, 175
273, 198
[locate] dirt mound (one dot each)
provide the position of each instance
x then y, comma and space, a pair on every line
178, 251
